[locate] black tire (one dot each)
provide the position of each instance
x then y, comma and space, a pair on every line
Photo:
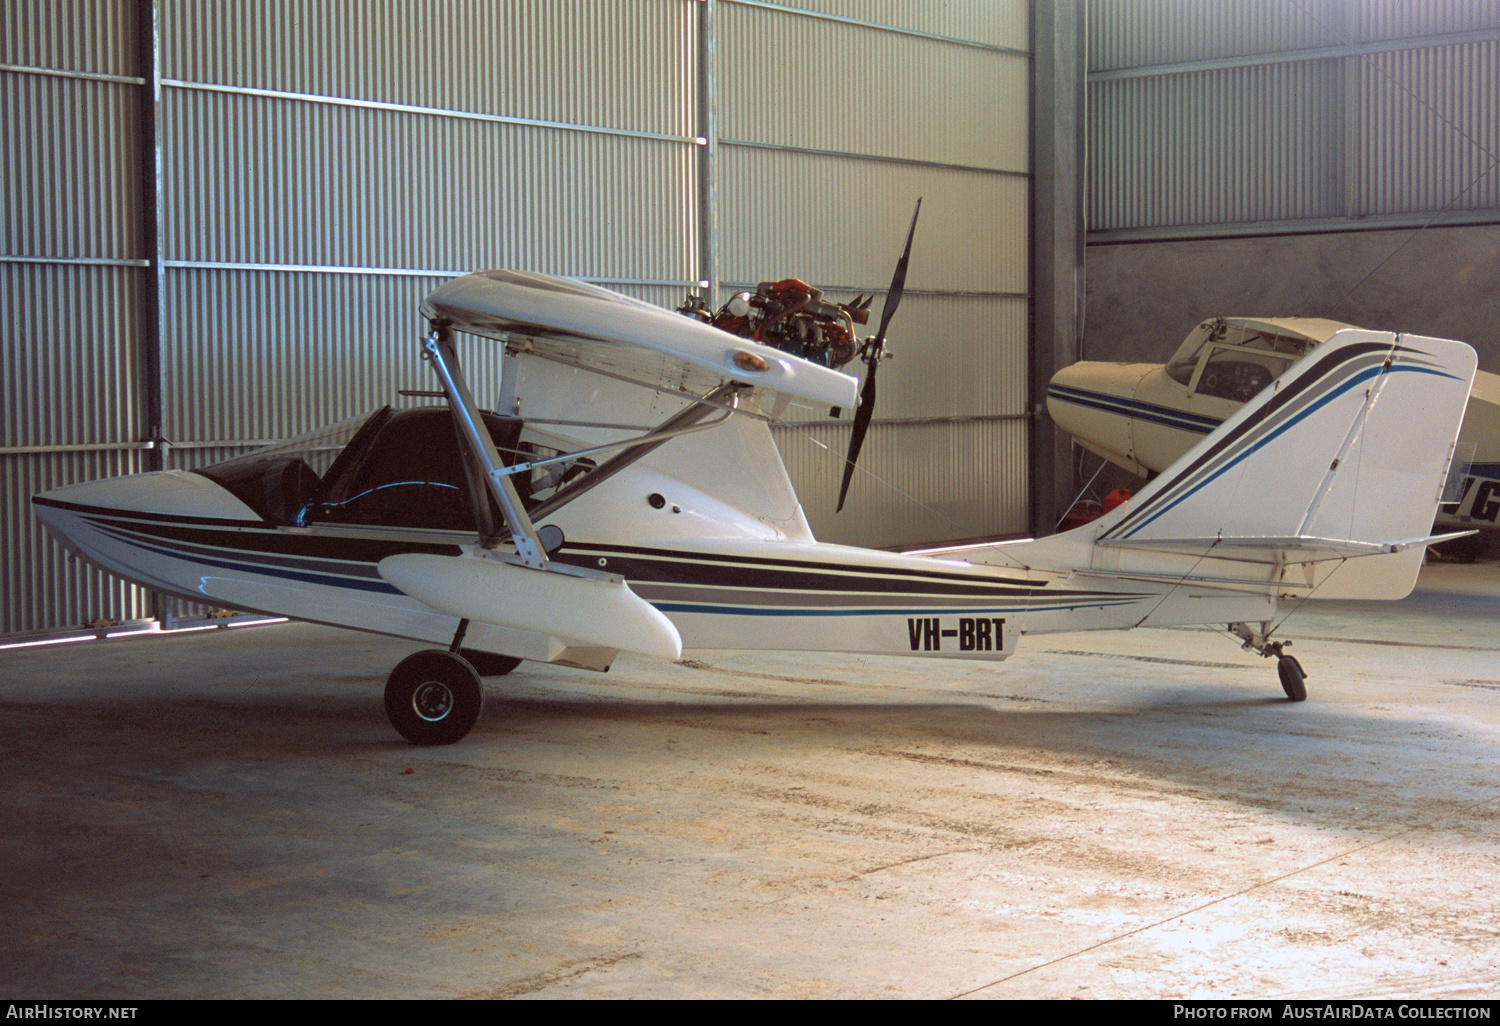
489, 664
433, 698
1293, 680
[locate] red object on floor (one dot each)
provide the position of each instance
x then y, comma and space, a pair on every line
1079, 515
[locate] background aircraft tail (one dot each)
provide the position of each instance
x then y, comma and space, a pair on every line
1343, 456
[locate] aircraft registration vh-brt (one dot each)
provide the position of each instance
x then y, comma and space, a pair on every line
625, 495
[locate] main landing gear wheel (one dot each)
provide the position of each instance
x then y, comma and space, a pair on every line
1293, 680
433, 698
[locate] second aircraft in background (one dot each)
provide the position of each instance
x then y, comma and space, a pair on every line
1144, 416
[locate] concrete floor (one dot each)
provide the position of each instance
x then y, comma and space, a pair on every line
1109, 816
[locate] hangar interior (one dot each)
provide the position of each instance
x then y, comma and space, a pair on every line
1334, 160
214, 203
1291, 159
220, 220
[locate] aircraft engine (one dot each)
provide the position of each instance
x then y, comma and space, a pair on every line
789, 315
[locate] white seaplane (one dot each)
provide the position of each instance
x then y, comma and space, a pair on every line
624, 494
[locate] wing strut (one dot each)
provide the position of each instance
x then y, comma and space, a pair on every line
438, 348
482, 460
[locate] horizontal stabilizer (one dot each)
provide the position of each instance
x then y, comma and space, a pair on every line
1284, 550
584, 611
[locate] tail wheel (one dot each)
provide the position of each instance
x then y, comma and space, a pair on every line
433, 698
1293, 680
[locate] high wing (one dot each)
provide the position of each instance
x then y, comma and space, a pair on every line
582, 325
694, 374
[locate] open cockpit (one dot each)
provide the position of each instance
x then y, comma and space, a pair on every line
390, 468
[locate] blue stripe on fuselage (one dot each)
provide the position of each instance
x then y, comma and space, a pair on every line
694, 607
326, 580
1133, 408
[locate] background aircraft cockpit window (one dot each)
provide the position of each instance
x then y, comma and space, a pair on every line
1240, 373
1180, 368
1232, 379
1183, 362
1295, 347
1257, 345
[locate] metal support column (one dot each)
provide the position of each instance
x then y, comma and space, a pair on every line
148, 42
1058, 142
153, 288
707, 127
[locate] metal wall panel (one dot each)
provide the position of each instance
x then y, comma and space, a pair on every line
955, 356
67, 375
1429, 130
842, 222
69, 157
916, 483
69, 352
1003, 23
69, 343
43, 588
1132, 34
91, 36
891, 107
1239, 144
830, 87
268, 181
613, 63
1403, 133
1399, 19
255, 355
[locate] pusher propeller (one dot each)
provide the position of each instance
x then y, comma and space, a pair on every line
872, 352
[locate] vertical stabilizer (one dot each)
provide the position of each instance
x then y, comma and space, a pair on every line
1343, 456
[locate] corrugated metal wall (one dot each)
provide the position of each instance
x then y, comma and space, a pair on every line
70, 398
830, 129
1278, 115
323, 166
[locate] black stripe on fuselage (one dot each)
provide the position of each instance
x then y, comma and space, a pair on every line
172, 518
273, 541
669, 566
634, 563
784, 562
319, 564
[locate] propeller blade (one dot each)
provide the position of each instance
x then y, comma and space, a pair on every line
862, 417
898, 282
873, 353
